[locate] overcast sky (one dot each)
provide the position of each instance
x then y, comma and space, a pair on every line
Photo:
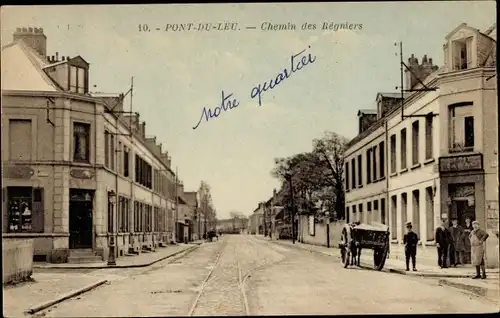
176, 74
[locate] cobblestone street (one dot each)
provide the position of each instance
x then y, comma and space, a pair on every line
242, 275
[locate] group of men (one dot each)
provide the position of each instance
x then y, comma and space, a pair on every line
462, 244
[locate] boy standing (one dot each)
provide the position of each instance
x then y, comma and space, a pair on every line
410, 240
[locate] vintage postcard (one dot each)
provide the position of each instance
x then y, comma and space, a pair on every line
250, 159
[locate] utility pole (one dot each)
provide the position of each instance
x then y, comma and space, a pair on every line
205, 214
176, 204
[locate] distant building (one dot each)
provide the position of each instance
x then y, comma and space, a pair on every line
441, 164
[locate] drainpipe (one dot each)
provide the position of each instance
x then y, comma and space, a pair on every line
387, 175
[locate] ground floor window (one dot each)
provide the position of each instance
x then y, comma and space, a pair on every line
461, 202
25, 211
123, 214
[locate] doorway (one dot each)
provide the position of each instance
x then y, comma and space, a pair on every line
80, 218
461, 209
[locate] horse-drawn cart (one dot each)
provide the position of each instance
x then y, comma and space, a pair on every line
356, 236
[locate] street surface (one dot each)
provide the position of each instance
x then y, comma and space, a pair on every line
244, 275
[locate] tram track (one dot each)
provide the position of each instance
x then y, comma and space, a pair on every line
225, 284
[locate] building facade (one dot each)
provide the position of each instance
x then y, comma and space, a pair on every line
438, 161
80, 174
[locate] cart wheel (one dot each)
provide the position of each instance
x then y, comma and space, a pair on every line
379, 257
345, 251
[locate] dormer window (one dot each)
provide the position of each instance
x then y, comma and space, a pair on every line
77, 79
462, 54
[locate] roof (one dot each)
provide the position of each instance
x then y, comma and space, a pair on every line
190, 198
391, 95
367, 112
22, 69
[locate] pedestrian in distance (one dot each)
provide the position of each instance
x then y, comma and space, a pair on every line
457, 246
443, 240
478, 238
410, 241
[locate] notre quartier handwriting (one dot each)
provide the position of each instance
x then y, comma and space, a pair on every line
297, 62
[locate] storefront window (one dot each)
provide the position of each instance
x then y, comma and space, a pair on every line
25, 209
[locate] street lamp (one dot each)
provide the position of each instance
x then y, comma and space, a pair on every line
327, 214
288, 177
111, 238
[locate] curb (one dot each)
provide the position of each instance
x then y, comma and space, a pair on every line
65, 297
189, 249
386, 269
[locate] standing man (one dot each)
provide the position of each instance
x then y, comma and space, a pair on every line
457, 247
478, 237
442, 244
410, 241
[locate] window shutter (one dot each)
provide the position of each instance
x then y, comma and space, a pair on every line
456, 56
468, 45
37, 219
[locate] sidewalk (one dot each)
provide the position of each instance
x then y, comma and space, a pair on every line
395, 261
45, 290
141, 260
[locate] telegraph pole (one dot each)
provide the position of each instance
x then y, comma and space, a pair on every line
176, 203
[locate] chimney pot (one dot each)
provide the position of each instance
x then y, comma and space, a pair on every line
63, 58
57, 56
18, 29
41, 30
67, 58
31, 30
430, 61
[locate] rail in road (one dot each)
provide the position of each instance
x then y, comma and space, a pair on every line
223, 290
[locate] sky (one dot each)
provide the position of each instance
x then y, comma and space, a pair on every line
177, 74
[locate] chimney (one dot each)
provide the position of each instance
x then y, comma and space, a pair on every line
143, 129
57, 56
33, 38
365, 119
420, 71
64, 58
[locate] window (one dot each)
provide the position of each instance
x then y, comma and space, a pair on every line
353, 172
347, 216
119, 159
461, 127
374, 152
394, 217
81, 142
137, 217
20, 139
360, 209
77, 80
347, 176
375, 205
106, 148
393, 153
110, 217
143, 172
415, 135
462, 54
25, 210
360, 171
369, 166
428, 137
381, 156
403, 149
369, 206
123, 214
112, 151
354, 210
469, 131
126, 161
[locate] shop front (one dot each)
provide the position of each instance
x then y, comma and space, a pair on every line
462, 188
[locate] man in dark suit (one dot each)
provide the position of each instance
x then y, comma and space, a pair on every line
410, 241
443, 240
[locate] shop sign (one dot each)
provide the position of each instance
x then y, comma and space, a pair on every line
81, 174
461, 163
18, 172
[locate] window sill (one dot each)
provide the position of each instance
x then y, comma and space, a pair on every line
403, 171
461, 150
359, 186
430, 160
416, 166
381, 179
392, 175
347, 190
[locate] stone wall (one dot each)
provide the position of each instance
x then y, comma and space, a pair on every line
17, 260
319, 237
